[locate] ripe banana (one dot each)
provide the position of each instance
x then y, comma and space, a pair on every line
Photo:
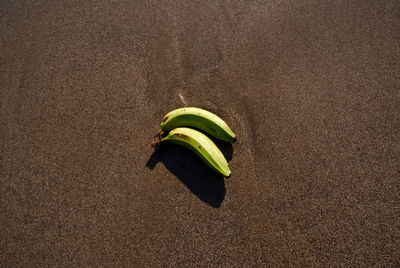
200, 144
198, 118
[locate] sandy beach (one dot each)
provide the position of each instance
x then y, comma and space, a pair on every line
311, 88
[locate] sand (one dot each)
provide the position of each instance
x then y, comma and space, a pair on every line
311, 88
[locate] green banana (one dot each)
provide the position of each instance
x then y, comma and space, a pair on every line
200, 144
198, 118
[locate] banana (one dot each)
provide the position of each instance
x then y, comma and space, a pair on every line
200, 144
198, 118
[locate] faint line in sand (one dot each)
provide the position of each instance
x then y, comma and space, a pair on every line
178, 59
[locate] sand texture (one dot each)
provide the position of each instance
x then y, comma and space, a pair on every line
311, 88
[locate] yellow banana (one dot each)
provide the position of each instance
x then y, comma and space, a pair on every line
198, 118
200, 144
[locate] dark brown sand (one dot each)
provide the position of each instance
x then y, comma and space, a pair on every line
310, 87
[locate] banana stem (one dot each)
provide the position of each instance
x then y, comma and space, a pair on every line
156, 141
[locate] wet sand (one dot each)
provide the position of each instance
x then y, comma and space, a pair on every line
311, 88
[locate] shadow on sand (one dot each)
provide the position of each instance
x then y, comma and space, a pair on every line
205, 183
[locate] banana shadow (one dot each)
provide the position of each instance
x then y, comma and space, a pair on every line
203, 182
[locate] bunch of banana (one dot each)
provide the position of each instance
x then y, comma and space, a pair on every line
174, 128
